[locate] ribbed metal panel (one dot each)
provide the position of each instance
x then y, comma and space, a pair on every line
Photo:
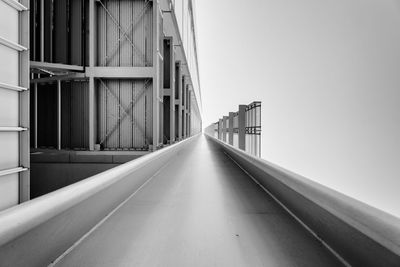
124, 114
79, 114
75, 115
125, 33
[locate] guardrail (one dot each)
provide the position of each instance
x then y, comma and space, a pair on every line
36, 232
241, 129
356, 233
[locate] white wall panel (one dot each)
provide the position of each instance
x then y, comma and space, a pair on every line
9, 71
9, 153
8, 22
8, 191
9, 108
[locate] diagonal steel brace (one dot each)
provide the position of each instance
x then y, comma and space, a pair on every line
122, 31
132, 27
126, 111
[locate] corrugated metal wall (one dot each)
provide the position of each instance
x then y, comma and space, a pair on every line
125, 113
125, 38
47, 115
74, 114
131, 46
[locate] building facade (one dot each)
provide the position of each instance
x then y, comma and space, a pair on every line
101, 76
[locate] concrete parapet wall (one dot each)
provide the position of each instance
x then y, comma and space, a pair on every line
35, 233
358, 234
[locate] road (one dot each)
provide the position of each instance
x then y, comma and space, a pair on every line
199, 210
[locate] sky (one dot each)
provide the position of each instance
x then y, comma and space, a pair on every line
328, 75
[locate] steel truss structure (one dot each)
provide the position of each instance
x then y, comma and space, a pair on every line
100, 75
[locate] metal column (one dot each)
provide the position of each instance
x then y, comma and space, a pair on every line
156, 76
179, 83
220, 129
58, 115
224, 128
183, 111
91, 104
230, 129
242, 127
35, 116
172, 96
41, 30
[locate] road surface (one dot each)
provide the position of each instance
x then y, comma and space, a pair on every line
199, 210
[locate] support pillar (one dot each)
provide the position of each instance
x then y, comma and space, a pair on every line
183, 108
35, 116
156, 76
179, 106
242, 127
58, 115
172, 96
190, 113
230, 128
220, 129
42, 30
91, 114
92, 53
224, 128
169, 91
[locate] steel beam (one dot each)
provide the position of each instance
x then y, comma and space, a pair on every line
73, 76
55, 66
120, 72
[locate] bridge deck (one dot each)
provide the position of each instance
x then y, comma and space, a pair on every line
200, 210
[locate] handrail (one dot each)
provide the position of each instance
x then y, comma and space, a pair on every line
57, 215
359, 234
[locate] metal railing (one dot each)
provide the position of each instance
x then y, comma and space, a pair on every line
36, 232
241, 129
358, 234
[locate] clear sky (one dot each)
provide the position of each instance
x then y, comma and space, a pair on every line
328, 75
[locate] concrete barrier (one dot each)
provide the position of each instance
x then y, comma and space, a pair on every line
36, 232
357, 233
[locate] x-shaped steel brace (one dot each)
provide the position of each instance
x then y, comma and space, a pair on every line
126, 111
124, 33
